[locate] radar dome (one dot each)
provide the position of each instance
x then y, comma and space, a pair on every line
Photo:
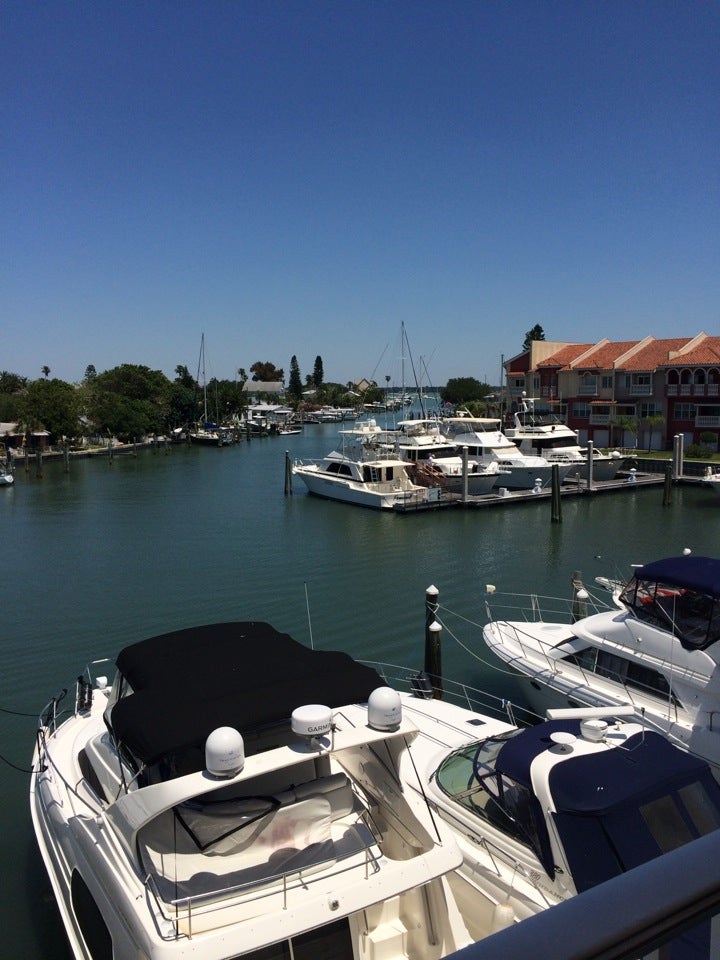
311, 720
384, 709
224, 752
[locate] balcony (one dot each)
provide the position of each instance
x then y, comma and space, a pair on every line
707, 421
587, 390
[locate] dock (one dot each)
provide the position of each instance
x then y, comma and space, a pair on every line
625, 480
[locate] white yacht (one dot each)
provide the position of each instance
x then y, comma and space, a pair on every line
486, 443
543, 813
231, 794
546, 435
434, 459
655, 650
364, 472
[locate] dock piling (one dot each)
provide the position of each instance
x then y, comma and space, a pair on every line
433, 650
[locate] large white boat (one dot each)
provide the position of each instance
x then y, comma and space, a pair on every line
434, 459
546, 435
232, 793
543, 813
486, 443
656, 649
364, 472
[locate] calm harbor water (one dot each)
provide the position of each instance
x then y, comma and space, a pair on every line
112, 552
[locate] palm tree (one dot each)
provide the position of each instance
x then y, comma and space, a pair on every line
626, 425
45, 371
653, 422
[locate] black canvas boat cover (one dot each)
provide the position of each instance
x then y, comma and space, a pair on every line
244, 675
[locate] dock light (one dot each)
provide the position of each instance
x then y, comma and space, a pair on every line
489, 588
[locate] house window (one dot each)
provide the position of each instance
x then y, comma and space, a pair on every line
606, 383
684, 411
648, 409
581, 411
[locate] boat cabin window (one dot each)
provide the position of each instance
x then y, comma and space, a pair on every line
624, 838
341, 469
628, 673
691, 615
468, 776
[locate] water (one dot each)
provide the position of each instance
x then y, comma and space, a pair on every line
110, 553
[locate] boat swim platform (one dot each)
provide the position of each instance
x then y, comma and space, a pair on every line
569, 488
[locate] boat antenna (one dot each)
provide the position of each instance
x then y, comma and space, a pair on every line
307, 607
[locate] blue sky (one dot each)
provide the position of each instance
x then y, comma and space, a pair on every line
301, 178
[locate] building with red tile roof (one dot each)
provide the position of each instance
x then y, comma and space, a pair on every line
625, 393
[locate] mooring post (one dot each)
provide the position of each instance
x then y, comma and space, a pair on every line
110, 451
667, 486
590, 464
38, 463
556, 509
288, 474
433, 649
66, 457
580, 597
464, 473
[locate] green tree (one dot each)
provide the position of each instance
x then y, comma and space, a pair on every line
318, 374
90, 373
266, 372
653, 422
464, 390
294, 389
184, 378
53, 405
536, 333
625, 424
130, 401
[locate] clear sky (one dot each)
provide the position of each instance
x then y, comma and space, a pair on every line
301, 178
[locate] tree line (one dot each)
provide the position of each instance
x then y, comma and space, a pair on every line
131, 400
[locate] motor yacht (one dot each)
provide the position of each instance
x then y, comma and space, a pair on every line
362, 471
434, 459
545, 812
545, 434
232, 793
486, 443
654, 648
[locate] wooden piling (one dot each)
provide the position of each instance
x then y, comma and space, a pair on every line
66, 457
556, 507
433, 649
288, 474
667, 486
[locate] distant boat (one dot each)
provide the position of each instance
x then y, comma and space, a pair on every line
208, 433
7, 478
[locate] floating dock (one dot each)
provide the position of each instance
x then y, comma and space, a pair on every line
624, 481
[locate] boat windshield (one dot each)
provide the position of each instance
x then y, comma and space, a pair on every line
469, 777
693, 616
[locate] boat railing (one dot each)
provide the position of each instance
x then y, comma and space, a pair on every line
422, 685
537, 648
184, 910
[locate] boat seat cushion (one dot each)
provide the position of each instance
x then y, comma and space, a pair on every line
227, 825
